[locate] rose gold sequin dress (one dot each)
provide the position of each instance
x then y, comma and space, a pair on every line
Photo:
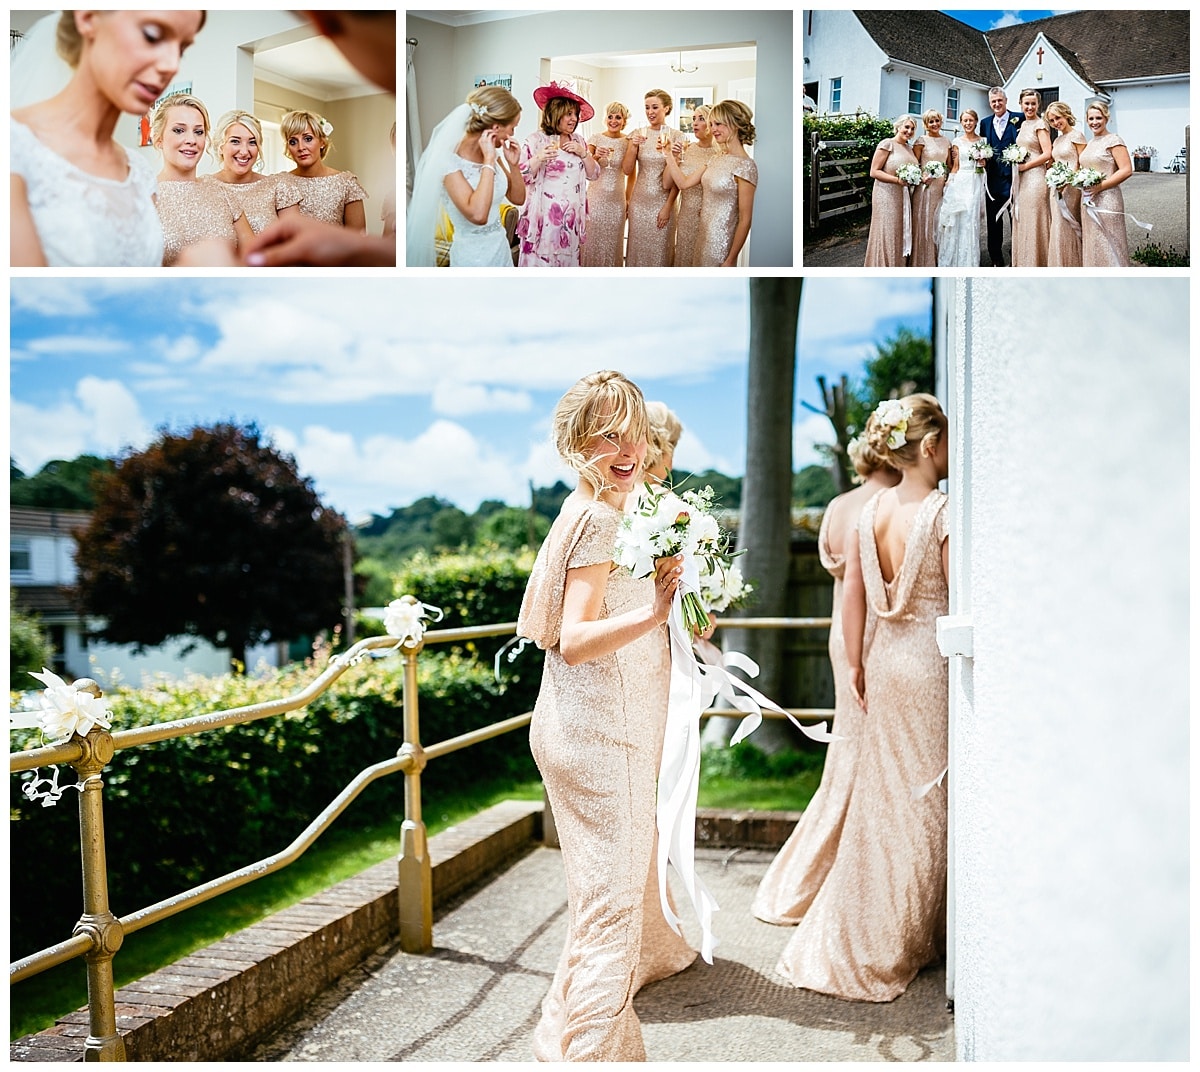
881, 914
260, 199
1066, 238
1031, 211
885, 243
796, 874
192, 211
597, 735
605, 244
687, 219
649, 245
926, 200
719, 216
325, 197
1105, 243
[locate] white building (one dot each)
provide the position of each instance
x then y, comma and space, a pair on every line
893, 62
1069, 705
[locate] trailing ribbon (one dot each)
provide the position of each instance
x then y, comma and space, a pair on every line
907, 220
1066, 213
50, 796
1092, 211
922, 790
695, 683
1014, 190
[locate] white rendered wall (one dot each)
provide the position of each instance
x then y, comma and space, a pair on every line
1070, 739
839, 47
1152, 115
449, 59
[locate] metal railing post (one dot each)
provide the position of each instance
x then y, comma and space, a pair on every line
97, 922
416, 870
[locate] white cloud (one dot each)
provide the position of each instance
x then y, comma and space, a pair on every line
693, 456
455, 399
1009, 18
806, 434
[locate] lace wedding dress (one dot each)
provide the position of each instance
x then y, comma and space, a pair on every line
959, 215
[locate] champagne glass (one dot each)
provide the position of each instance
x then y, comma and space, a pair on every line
664, 140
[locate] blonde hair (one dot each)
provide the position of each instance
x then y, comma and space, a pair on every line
865, 459
68, 41
663, 96
733, 113
927, 422
620, 109
1101, 107
556, 108
236, 115
603, 403
178, 100
932, 113
970, 112
1062, 109
491, 106
663, 435
704, 110
295, 123
901, 120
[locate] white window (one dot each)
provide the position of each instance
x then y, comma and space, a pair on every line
916, 91
835, 94
952, 104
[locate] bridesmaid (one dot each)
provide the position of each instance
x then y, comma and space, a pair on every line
598, 742
691, 156
1105, 242
651, 241
606, 199
880, 915
891, 209
729, 180
1066, 234
928, 148
796, 874
264, 200
328, 194
1031, 197
190, 210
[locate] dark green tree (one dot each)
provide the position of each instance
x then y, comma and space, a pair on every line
512, 528
58, 485
29, 646
210, 533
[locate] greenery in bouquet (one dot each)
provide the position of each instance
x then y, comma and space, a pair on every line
980, 152
1014, 154
910, 174
1085, 178
935, 169
1059, 175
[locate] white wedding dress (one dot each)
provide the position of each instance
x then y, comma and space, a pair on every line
479, 245
960, 213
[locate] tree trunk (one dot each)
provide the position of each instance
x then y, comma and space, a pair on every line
766, 516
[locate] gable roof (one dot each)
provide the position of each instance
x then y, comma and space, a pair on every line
933, 40
1107, 46
1100, 46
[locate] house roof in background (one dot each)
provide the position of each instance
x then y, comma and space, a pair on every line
48, 602
34, 521
933, 40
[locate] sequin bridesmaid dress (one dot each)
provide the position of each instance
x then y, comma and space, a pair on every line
649, 246
691, 201
885, 242
604, 246
719, 215
926, 200
1031, 204
880, 916
1105, 240
260, 199
325, 197
798, 871
193, 211
1066, 235
597, 736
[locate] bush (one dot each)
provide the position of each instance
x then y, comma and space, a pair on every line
190, 809
866, 131
1152, 255
29, 646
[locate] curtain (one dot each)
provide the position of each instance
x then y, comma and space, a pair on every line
413, 125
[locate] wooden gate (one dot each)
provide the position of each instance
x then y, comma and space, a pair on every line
836, 185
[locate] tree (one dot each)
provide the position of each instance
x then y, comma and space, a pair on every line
30, 648
58, 485
509, 529
210, 533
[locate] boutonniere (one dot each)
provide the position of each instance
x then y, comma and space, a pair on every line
1014, 120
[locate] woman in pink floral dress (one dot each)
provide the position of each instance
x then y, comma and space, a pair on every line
556, 165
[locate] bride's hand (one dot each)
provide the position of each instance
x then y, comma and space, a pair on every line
487, 146
667, 572
512, 152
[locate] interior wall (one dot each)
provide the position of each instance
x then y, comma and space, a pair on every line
449, 59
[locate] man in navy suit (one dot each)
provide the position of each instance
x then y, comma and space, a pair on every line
1001, 132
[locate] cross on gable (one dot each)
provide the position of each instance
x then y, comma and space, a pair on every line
1040, 52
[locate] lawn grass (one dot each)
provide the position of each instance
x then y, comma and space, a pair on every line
742, 778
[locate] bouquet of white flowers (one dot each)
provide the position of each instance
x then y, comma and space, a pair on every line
1058, 175
1015, 154
935, 168
722, 586
1086, 177
663, 523
910, 174
979, 151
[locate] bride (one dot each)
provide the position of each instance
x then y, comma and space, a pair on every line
962, 200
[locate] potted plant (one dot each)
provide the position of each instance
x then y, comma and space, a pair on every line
1142, 156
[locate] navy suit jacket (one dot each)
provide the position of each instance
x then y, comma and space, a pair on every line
997, 173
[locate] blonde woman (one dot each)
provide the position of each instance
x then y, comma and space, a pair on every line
962, 204
1066, 227
77, 197
891, 204
606, 195
191, 211
729, 180
327, 194
597, 731
1030, 195
238, 136
651, 204
662, 438
1105, 241
930, 148
691, 157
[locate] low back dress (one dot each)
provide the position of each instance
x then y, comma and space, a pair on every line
479, 245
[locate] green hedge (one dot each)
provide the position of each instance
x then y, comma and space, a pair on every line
866, 131
187, 810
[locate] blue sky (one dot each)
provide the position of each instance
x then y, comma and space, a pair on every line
385, 393
991, 20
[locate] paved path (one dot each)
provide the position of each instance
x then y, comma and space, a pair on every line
1156, 197
476, 996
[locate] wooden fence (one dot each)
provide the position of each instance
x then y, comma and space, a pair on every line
836, 185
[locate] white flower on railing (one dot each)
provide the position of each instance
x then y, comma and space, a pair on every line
405, 619
67, 710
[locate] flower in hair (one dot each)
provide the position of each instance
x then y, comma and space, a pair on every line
893, 417
326, 127
479, 110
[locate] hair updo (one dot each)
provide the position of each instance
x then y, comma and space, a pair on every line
665, 97
864, 458
177, 100
926, 421
295, 123
663, 434
1062, 110
600, 404
733, 113
68, 41
491, 106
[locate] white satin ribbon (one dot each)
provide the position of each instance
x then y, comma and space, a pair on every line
1066, 214
907, 220
1014, 189
923, 790
1092, 211
695, 683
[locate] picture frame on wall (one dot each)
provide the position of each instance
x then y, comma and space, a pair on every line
504, 80
687, 101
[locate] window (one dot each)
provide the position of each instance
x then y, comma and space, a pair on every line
835, 94
20, 564
952, 104
916, 90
